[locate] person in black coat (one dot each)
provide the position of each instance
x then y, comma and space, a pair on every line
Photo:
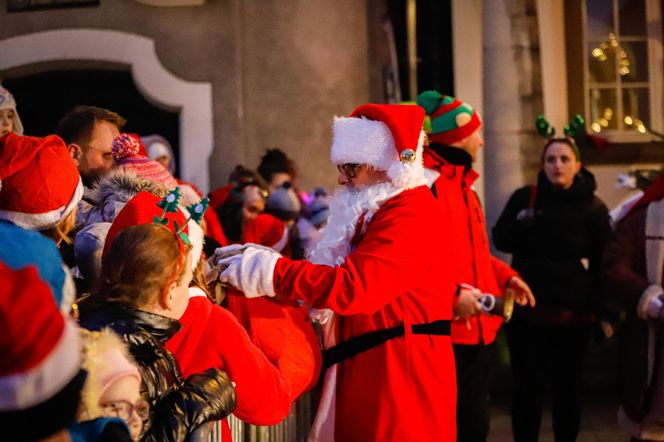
143, 289
556, 232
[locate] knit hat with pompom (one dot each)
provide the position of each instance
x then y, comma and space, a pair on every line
451, 120
126, 153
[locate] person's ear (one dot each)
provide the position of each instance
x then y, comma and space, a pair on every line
578, 167
167, 296
76, 152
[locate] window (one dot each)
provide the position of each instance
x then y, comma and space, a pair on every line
621, 68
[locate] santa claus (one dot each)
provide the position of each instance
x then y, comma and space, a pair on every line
379, 266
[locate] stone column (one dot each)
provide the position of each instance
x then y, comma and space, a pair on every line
512, 98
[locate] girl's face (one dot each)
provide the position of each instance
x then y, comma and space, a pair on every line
253, 203
6, 121
560, 165
123, 399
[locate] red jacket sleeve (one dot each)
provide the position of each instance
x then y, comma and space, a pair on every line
503, 272
212, 337
388, 261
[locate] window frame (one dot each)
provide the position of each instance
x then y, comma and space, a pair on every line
653, 10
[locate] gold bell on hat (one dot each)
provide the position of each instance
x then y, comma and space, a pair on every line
408, 156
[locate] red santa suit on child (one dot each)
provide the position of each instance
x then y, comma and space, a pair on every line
379, 267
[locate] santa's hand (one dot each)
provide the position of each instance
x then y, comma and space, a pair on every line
226, 251
467, 303
251, 271
522, 293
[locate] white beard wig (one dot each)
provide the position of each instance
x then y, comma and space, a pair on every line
346, 207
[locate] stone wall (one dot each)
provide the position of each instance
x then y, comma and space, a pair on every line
279, 69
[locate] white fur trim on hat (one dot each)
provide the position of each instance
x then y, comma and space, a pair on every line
364, 141
279, 246
45, 220
39, 384
409, 175
197, 238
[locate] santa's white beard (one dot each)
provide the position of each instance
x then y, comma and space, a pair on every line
346, 207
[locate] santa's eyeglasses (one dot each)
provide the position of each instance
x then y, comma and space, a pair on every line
348, 169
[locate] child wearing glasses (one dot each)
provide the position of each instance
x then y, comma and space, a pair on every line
112, 388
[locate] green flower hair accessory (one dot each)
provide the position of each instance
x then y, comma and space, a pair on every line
170, 204
197, 210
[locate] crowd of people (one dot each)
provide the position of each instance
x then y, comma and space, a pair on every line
137, 308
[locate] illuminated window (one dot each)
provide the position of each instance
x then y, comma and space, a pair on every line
622, 70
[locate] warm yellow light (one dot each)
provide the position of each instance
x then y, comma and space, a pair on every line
597, 52
624, 71
596, 127
629, 120
608, 113
641, 128
604, 122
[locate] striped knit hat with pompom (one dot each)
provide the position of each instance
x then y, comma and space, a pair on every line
451, 120
127, 154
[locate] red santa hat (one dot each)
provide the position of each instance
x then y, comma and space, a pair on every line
40, 368
145, 207
268, 231
39, 183
388, 137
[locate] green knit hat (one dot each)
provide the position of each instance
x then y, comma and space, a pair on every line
451, 119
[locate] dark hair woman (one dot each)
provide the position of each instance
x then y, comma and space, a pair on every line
556, 231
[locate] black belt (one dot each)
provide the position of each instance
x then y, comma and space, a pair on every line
367, 341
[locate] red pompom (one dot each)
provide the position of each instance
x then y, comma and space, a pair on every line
126, 145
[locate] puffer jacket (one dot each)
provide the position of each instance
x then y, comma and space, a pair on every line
179, 407
557, 238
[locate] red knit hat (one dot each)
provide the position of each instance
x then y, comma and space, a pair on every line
145, 207
127, 154
39, 183
40, 368
388, 137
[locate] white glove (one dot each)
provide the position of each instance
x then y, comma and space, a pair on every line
225, 252
251, 271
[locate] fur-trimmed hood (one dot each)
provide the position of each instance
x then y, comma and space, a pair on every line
111, 193
106, 359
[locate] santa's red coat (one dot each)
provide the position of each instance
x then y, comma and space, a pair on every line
212, 337
400, 273
476, 265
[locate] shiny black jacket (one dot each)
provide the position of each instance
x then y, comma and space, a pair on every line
557, 244
179, 407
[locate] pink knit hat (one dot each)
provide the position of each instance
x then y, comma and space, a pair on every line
126, 153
